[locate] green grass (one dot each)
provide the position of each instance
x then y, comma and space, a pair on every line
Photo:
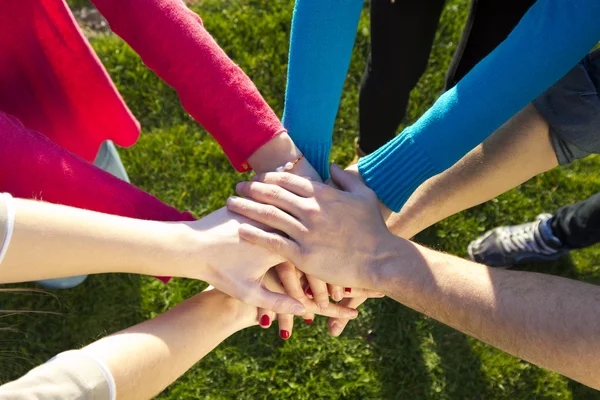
390, 352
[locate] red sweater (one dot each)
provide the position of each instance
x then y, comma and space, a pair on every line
51, 80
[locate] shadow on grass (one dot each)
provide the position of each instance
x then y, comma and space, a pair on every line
30, 339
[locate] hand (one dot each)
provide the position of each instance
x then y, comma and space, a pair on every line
294, 283
337, 325
233, 266
336, 236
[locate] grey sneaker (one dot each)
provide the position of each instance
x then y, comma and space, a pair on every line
506, 246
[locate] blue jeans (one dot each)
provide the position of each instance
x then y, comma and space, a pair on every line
107, 159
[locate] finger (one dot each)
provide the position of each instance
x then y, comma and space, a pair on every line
276, 302
270, 241
286, 325
336, 292
293, 183
266, 214
308, 317
337, 325
319, 291
289, 278
265, 318
271, 194
333, 311
371, 294
347, 181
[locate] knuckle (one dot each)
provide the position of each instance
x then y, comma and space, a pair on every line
273, 193
270, 213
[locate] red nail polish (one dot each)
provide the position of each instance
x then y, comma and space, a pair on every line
347, 290
265, 320
284, 334
308, 321
309, 292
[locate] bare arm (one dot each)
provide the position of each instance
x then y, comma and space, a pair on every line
146, 358
547, 320
516, 152
53, 241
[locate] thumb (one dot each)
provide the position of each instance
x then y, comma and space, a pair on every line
276, 302
349, 182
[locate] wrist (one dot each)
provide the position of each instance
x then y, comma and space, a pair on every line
395, 258
180, 252
275, 153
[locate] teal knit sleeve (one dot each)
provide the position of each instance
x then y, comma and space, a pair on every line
550, 39
322, 39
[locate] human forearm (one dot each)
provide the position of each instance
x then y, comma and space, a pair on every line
155, 353
552, 37
516, 152
52, 241
321, 45
547, 320
173, 42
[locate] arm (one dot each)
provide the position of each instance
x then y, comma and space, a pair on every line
552, 37
321, 45
148, 357
53, 241
516, 152
141, 361
32, 166
548, 320
173, 42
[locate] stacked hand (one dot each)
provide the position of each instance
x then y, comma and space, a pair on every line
295, 207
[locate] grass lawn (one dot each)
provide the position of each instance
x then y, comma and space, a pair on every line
390, 352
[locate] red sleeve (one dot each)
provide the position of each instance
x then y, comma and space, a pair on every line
32, 166
172, 41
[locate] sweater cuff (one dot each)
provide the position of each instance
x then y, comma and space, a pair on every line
318, 156
396, 170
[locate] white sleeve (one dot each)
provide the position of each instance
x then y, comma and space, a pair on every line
7, 219
70, 375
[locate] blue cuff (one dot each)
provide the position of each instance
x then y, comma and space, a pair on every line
396, 170
318, 156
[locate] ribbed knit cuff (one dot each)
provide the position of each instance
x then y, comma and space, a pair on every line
318, 156
396, 170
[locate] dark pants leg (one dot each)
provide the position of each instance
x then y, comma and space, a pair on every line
402, 34
578, 225
489, 23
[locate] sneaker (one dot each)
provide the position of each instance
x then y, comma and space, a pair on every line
506, 246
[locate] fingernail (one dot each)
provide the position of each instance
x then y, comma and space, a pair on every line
308, 321
323, 305
309, 292
336, 329
337, 296
347, 290
265, 320
239, 186
298, 310
284, 334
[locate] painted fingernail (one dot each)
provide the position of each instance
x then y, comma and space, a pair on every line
284, 334
323, 305
347, 290
309, 292
298, 310
308, 321
265, 320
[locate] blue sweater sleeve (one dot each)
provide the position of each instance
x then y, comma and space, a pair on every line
550, 39
321, 43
